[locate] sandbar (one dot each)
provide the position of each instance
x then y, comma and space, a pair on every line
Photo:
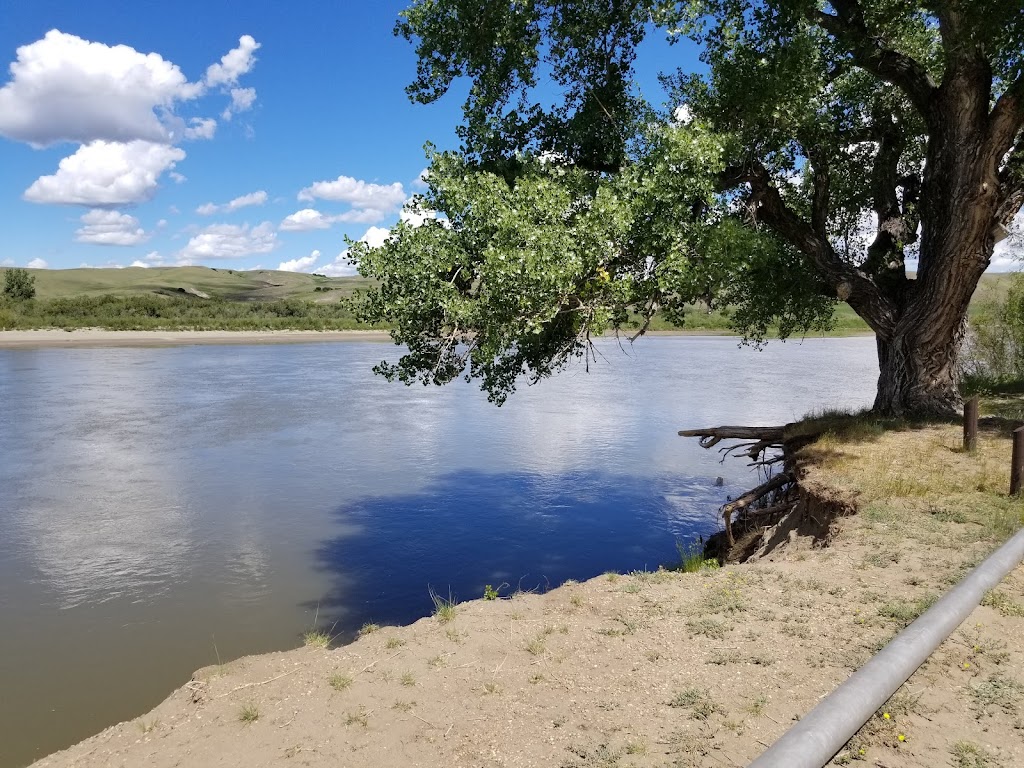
97, 337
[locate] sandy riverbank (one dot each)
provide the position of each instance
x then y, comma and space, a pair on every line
98, 337
646, 669
95, 337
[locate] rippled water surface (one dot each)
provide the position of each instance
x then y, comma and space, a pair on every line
161, 508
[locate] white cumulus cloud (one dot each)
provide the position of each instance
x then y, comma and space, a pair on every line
106, 174
361, 216
415, 216
370, 202
682, 114
64, 88
235, 63
253, 198
201, 128
305, 220
229, 241
242, 100
120, 105
37, 264
342, 265
420, 182
103, 227
375, 236
303, 264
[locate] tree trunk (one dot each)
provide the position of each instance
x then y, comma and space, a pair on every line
916, 379
917, 359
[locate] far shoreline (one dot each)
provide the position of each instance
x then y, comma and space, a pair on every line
100, 337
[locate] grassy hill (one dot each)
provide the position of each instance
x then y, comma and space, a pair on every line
227, 284
205, 298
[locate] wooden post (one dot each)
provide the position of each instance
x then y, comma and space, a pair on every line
971, 424
1017, 462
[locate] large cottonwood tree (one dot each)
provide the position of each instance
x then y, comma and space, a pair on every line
824, 145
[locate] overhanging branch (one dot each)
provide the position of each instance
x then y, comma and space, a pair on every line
1011, 185
849, 27
820, 192
1007, 118
852, 285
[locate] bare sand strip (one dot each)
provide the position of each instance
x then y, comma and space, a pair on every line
96, 337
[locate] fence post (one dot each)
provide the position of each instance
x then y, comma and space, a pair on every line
971, 424
1017, 462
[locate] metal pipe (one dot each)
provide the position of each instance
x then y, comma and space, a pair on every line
816, 739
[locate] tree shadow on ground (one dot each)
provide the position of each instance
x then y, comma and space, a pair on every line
522, 530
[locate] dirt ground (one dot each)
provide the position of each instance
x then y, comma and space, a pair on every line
641, 669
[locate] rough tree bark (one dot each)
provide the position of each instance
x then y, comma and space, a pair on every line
972, 183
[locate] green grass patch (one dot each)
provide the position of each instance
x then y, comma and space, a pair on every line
692, 559
316, 639
905, 611
339, 682
444, 607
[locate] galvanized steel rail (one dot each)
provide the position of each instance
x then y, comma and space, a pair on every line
817, 738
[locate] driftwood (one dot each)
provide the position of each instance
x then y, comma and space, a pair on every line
714, 435
756, 442
751, 496
748, 498
774, 509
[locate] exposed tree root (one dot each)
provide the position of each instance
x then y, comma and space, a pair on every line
780, 497
714, 435
746, 502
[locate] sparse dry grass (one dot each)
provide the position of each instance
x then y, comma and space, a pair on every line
339, 682
444, 607
967, 754
316, 639
912, 481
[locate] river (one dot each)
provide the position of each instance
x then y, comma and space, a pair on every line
163, 509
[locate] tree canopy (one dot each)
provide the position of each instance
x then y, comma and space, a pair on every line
825, 145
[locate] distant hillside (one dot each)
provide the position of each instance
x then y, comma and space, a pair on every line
228, 284
205, 298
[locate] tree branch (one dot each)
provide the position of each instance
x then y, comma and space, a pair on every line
1007, 118
852, 285
885, 254
820, 194
1011, 185
849, 27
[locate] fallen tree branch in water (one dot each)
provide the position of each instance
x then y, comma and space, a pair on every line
712, 436
748, 498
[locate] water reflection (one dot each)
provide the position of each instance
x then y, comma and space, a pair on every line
161, 507
94, 536
522, 529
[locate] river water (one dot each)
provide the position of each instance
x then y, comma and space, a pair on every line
163, 508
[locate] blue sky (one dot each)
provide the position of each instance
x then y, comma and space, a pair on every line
229, 134
315, 94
